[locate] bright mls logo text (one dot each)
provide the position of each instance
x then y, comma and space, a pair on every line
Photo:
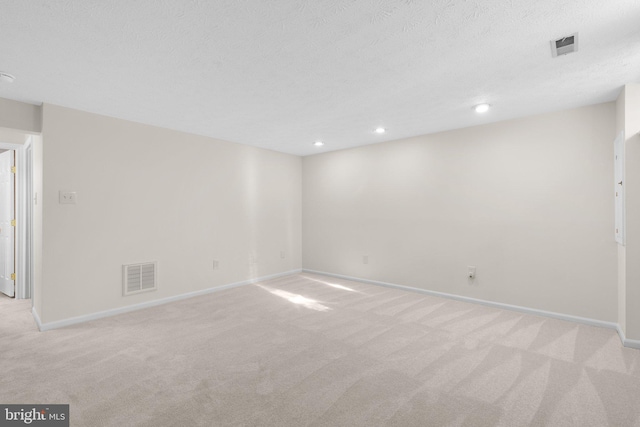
38, 415
28, 417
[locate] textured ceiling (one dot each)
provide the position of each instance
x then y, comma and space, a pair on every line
282, 74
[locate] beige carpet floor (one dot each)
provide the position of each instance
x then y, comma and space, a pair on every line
312, 350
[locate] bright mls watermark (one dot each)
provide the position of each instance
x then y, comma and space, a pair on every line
34, 415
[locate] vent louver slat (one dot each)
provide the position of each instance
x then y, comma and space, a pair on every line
148, 276
139, 278
133, 279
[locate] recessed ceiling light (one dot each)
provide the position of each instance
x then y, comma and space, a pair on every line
481, 108
318, 143
380, 130
6, 77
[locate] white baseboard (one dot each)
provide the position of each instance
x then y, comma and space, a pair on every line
626, 341
584, 320
107, 313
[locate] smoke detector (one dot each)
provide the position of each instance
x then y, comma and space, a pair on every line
565, 45
6, 77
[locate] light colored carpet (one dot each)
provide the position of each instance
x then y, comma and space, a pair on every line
312, 350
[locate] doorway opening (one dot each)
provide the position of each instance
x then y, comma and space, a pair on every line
7, 222
16, 220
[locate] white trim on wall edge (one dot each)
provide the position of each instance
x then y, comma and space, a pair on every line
584, 320
108, 313
36, 318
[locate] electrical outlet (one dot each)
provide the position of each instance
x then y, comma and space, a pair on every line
471, 274
282, 254
68, 197
216, 264
365, 259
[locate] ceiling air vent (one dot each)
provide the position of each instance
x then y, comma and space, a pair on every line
138, 278
565, 45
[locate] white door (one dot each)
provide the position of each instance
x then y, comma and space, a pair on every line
7, 236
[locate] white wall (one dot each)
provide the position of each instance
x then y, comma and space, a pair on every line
622, 254
527, 201
20, 116
630, 255
150, 194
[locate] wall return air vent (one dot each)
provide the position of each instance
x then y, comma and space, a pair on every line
138, 278
564, 45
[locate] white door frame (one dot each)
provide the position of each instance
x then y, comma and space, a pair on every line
24, 290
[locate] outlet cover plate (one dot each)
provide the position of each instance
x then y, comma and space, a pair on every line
68, 197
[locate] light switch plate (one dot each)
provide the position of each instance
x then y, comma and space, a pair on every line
68, 197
